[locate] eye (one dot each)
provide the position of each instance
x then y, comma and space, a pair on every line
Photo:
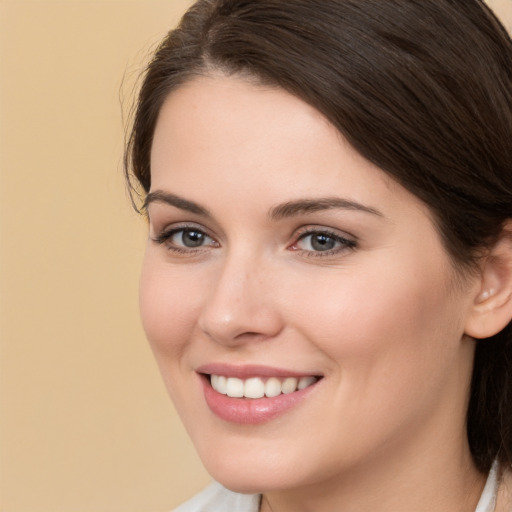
190, 238
318, 242
322, 243
185, 239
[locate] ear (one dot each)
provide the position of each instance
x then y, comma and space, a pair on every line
491, 310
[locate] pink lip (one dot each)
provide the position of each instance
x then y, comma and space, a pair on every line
248, 371
249, 411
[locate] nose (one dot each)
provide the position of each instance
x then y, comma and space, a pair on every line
241, 306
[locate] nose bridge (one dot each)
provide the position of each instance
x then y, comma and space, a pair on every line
239, 304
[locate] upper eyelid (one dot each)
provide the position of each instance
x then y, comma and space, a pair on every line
162, 222
336, 233
178, 226
339, 238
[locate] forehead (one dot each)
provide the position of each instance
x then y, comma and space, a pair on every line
223, 129
247, 114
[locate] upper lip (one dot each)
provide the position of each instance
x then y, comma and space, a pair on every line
252, 370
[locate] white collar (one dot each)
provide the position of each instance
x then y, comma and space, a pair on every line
487, 501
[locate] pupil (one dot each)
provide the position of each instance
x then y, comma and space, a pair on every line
192, 238
322, 242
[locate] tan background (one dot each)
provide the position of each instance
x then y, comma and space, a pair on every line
85, 424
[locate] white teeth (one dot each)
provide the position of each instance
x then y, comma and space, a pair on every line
235, 387
256, 387
289, 385
305, 382
272, 387
222, 384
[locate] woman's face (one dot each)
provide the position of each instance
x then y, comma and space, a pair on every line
278, 258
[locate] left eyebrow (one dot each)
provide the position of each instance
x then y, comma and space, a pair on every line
301, 206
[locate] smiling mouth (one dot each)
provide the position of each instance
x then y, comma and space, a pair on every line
257, 387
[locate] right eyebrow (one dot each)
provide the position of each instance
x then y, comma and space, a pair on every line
159, 196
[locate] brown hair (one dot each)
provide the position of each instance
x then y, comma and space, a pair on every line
421, 88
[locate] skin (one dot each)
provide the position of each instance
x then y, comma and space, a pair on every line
382, 318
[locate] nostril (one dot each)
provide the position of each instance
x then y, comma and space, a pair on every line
249, 334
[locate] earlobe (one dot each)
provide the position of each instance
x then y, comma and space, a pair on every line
491, 310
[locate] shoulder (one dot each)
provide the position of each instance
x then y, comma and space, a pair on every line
504, 496
216, 498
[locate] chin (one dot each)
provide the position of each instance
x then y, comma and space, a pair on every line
252, 473
247, 481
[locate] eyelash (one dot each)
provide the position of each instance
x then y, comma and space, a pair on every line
165, 236
346, 244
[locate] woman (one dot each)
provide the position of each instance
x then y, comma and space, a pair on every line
327, 284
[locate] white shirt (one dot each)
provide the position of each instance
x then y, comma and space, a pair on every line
216, 498
487, 501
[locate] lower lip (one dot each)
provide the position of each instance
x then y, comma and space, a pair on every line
251, 411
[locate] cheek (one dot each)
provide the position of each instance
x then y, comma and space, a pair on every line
168, 305
393, 343
399, 317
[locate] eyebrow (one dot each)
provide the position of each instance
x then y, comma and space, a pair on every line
301, 206
159, 196
280, 211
